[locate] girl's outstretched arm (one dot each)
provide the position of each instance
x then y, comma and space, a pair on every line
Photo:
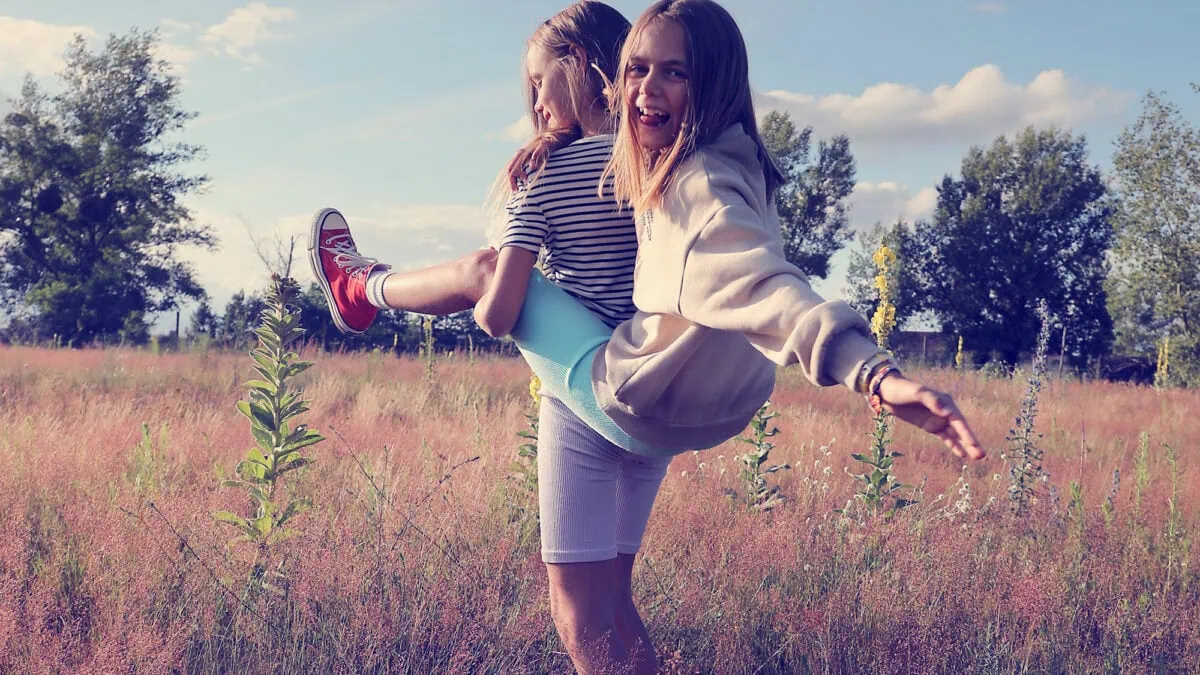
498, 309
736, 278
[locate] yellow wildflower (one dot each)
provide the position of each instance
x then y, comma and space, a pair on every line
535, 385
884, 257
885, 312
1163, 368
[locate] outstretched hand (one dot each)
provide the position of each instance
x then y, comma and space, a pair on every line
932, 411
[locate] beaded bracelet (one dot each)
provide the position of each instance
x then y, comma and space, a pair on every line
877, 378
873, 398
862, 381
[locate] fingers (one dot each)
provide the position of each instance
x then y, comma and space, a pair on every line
516, 168
957, 434
514, 173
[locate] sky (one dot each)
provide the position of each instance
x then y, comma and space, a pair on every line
401, 113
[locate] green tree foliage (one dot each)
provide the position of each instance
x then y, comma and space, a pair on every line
908, 295
204, 322
392, 330
1154, 288
813, 214
90, 188
1029, 219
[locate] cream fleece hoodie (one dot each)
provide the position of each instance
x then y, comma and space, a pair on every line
718, 307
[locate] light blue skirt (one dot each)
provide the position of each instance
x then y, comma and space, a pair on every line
560, 338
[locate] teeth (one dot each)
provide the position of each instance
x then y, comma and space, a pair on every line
651, 111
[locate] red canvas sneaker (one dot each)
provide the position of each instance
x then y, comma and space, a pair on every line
342, 272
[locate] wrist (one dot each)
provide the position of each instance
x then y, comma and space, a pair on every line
876, 394
868, 369
888, 383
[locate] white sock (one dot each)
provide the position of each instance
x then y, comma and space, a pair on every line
375, 281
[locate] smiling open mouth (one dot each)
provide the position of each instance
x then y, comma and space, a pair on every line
652, 117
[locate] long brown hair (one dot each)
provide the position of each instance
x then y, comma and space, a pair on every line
599, 30
718, 97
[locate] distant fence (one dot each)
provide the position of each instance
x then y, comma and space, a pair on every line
932, 349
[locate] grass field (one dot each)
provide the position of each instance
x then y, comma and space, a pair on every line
400, 569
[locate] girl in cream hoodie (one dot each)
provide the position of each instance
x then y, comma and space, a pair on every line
719, 307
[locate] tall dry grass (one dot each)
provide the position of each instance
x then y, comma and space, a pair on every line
402, 570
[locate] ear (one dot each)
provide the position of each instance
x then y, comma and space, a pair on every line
581, 55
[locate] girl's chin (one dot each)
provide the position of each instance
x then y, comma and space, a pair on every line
654, 139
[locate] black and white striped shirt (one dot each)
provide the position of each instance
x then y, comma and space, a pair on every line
590, 244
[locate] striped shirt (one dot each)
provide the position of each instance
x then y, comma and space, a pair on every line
588, 245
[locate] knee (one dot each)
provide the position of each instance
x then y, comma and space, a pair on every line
479, 268
580, 625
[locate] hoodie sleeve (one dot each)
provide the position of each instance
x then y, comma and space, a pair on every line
737, 279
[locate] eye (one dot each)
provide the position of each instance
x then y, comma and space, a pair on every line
637, 69
677, 74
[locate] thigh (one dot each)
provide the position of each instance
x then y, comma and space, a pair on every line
584, 588
559, 339
637, 486
577, 488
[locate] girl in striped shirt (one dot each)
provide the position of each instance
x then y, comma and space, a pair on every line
594, 497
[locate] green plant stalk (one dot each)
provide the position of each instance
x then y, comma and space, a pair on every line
1023, 439
427, 327
1174, 524
879, 485
272, 404
754, 471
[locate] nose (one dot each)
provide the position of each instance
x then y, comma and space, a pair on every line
651, 83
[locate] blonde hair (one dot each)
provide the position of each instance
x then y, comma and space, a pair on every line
718, 97
599, 31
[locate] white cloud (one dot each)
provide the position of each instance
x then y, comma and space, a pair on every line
981, 105
430, 217
989, 7
170, 49
886, 201
244, 28
34, 46
517, 132
178, 56
174, 28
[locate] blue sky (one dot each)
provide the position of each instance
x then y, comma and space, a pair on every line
401, 113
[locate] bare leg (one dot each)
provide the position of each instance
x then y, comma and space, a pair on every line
583, 605
628, 622
447, 288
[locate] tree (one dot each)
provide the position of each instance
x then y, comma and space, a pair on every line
204, 322
90, 188
459, 331
241, 316
1029, 219
909, 295
1154, 289
813, 214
